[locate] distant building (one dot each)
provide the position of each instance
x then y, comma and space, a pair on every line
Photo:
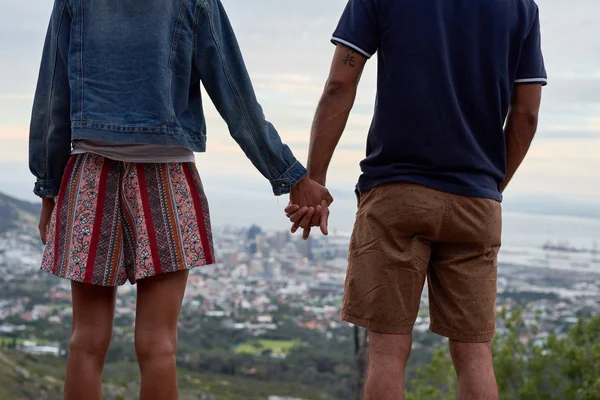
305, 247
282, 238
33, 348
327, 288
231, 259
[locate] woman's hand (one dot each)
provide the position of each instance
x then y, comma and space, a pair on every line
296, 214
45, 215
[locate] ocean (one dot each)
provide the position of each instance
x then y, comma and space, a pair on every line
241, 207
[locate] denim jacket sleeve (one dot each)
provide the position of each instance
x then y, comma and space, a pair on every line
50, 130
219, 62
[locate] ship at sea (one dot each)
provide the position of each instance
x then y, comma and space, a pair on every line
562, 250
558, 255
565, 247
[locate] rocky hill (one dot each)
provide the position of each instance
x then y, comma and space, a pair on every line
29, 377
17, 214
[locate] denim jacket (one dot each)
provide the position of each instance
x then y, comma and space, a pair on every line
129, 71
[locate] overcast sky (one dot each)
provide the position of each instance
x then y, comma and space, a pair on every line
287, 50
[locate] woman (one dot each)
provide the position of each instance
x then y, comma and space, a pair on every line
116, 120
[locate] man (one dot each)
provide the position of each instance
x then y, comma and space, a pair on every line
459, 88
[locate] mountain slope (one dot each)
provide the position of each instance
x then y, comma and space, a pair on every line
14, 213
28, 377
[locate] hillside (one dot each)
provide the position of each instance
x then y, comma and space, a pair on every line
15, 213
31, 377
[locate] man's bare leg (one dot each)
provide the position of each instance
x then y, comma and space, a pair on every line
388, 355
475, 369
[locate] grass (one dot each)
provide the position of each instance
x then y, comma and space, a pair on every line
28, 377
5, 340
222, 387
45, 377
278, 347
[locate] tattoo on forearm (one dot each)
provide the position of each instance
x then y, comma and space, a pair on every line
350, 60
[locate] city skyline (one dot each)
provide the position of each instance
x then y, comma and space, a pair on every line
273, 299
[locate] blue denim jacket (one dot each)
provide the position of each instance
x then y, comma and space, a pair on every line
129, 71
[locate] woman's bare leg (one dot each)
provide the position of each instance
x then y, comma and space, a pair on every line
158, 306
93, 315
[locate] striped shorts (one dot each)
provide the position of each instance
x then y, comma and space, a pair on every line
116, 221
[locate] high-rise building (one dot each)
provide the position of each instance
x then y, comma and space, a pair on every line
305, 247
231, 259
282, 238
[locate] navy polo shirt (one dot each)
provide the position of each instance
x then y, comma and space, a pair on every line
446, 70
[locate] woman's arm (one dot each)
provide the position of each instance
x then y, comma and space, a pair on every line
50, 131
223, 73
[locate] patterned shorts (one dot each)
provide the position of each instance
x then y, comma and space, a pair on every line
116, 221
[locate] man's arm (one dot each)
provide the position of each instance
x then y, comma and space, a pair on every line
521, 123
334, 109
521, 126
327, 128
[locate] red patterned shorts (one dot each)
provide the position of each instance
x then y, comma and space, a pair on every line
116, 221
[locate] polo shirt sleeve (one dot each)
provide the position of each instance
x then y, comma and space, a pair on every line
531, 63
358, 28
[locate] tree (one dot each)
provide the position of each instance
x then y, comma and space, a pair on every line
526, 369
361, 350
435, 381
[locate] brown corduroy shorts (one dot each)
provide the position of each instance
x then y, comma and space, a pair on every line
405, 233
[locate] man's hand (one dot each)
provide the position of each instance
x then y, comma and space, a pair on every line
296, 214
309, 197
45, 215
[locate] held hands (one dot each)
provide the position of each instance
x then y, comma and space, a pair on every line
309, 206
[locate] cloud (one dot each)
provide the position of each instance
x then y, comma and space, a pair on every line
288, 54
569, 133
574, 91
13, 132
16, 96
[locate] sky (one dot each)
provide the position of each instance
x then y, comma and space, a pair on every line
287, 51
